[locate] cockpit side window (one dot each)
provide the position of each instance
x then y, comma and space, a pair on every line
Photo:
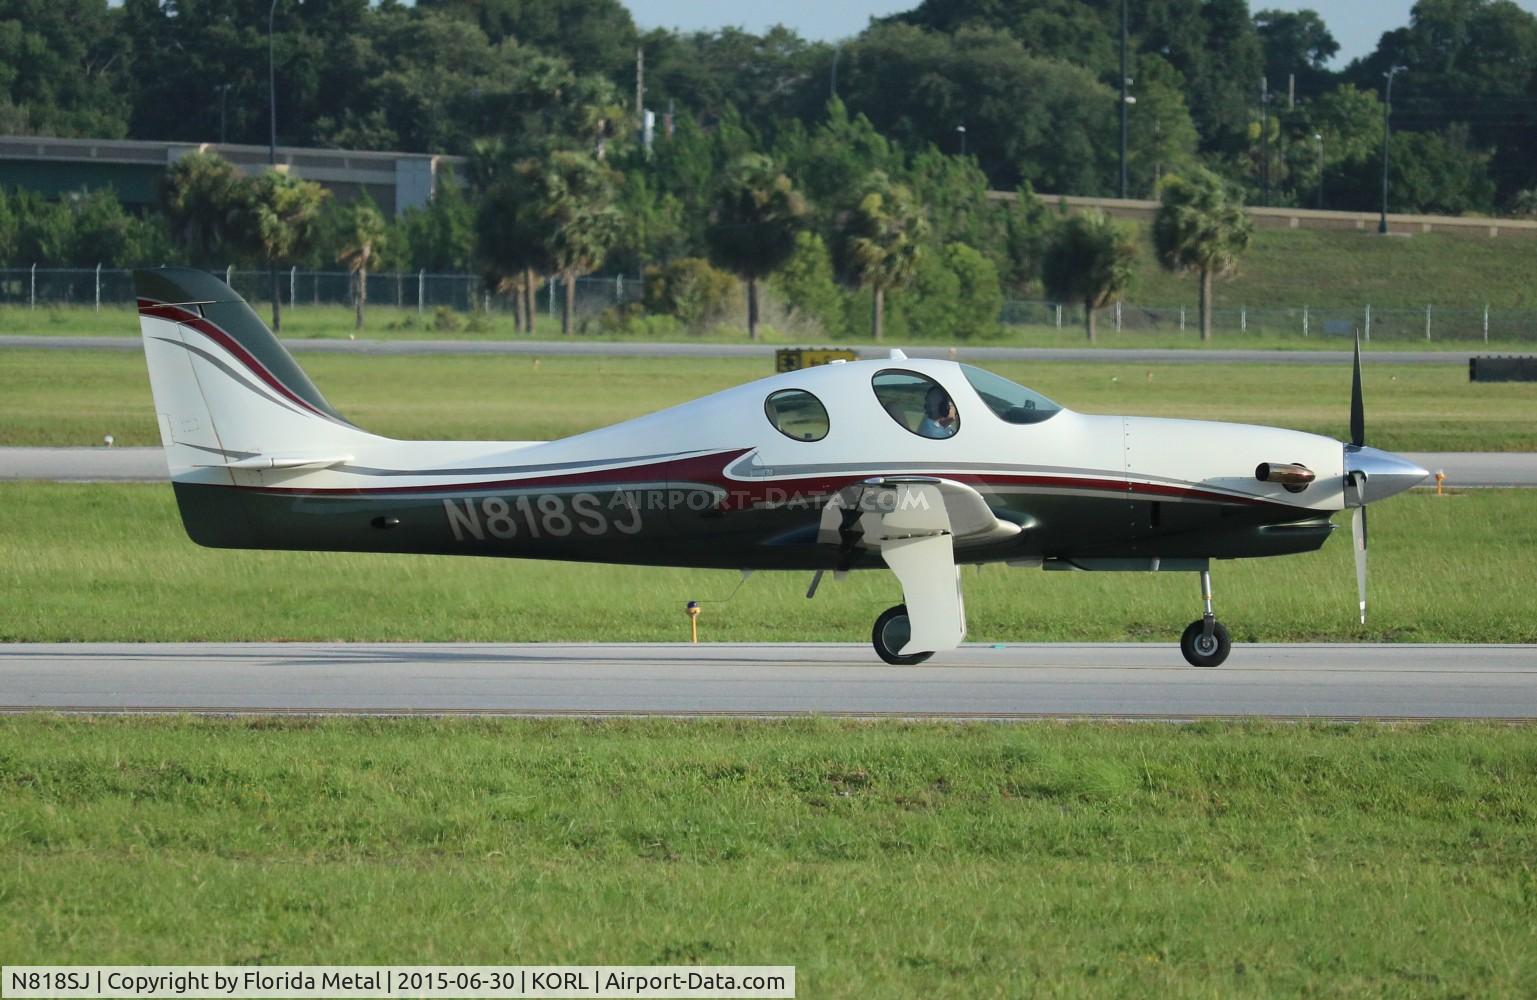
797, 414
1009, 400
920, 404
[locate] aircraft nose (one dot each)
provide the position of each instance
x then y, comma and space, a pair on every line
1385, 473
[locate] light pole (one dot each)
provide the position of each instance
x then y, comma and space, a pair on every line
223, 90
1387, 110
1125, 101
1318, 140
961, 129
272, 96
1264, 103
833, 85
272, 155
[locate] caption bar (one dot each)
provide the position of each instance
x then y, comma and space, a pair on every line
361, 981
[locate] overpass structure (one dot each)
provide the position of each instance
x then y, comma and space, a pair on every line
133, 168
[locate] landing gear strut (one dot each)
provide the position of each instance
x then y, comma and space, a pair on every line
1205, 642
891, 632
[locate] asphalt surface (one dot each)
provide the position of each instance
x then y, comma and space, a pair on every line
1133, 680
1463, 469
1340, 356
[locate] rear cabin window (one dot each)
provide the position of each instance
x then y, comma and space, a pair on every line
797, 414
917, 402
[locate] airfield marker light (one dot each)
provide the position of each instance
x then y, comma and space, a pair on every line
1440, 478
692, 610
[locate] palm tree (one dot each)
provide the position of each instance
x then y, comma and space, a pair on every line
880, 241
509, 234
752, 230
577, 220
204, 198
1088, 259
363, 240
1200, 227
281, 225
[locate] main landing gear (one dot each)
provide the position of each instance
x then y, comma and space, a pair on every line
891, 632
1205, 642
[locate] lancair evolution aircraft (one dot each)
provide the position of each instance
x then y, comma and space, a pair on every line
918, 466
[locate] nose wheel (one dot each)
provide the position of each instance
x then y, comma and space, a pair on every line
1205, 642
891, 632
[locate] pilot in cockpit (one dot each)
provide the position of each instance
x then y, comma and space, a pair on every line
939, 417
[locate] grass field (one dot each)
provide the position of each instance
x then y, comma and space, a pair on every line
1288, 268
104, 563
76, 397
882, 860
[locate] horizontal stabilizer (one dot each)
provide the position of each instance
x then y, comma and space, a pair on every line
263, 462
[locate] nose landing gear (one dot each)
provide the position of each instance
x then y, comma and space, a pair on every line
1205, 642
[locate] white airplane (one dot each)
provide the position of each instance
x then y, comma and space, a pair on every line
917, 466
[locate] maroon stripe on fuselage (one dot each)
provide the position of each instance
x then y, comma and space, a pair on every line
688, 469
176, 314
707, 471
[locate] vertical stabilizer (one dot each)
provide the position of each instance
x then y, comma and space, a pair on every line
226, 391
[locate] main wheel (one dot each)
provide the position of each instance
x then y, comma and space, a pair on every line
891, 632
1202, 650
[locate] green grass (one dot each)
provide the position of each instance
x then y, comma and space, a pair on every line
110, 562
76, 397
882, 860
1290, 268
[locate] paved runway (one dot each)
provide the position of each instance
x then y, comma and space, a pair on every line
1463, 469
1340, 355
1132, 681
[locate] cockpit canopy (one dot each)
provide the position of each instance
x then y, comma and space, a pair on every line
1010, 400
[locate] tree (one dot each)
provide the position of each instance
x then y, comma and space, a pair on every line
600, 33
881, 242
1470, 63
509, 238
832, 161
577, 221
63, 68
807, 284
206, 202
281, 223
981, 298
441, 235
1027, 117
1089, 259
1200, 227
363, 241
1027, 227
1429, 172
752, 230
1161, 137
1297, 44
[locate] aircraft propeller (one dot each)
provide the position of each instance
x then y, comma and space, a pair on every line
1370, 474
1357, 477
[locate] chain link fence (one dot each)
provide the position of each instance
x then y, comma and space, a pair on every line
424, 291
1477, 324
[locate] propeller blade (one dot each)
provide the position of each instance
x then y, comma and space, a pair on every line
1357, 407
1358, 542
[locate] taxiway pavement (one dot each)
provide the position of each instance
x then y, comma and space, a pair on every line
1128, 680
1463, 469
